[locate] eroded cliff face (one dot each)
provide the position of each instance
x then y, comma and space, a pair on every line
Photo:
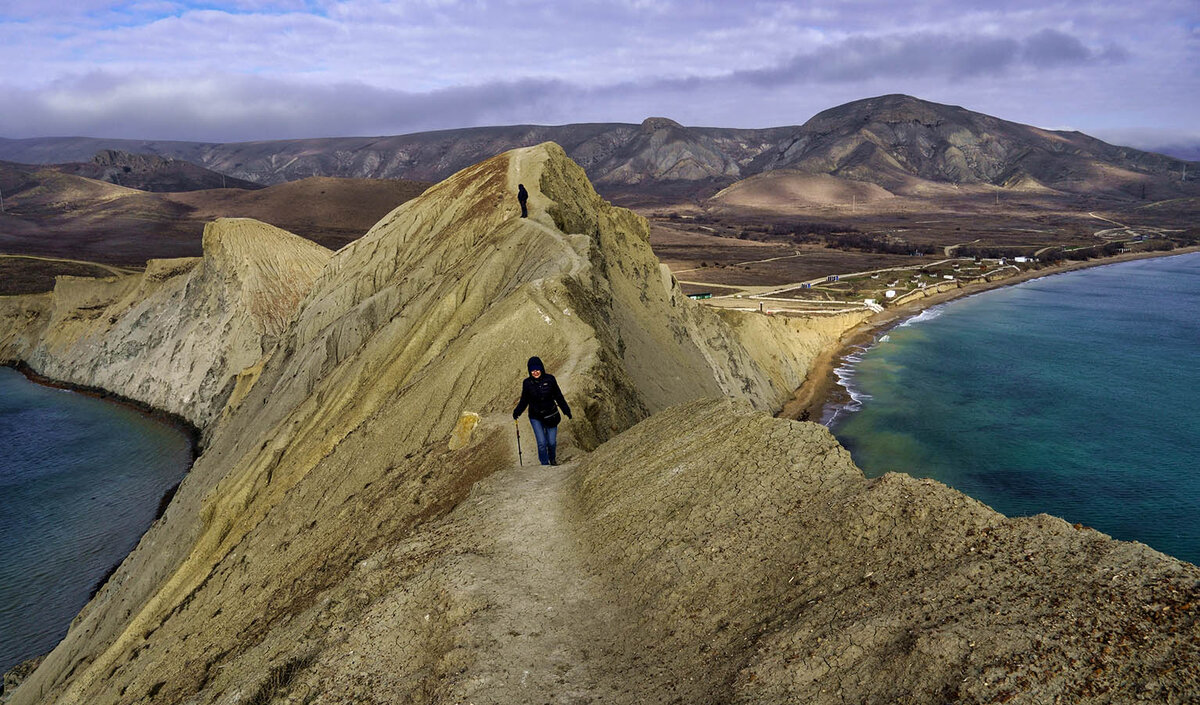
175, 336
340, 541
331, 444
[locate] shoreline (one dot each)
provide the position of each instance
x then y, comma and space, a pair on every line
821, 388
194, 435
13, 676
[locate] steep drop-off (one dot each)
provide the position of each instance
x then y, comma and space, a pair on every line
333, 446
175, 336
772, 571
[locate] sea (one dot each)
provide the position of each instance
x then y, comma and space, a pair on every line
81, 479
1077, 395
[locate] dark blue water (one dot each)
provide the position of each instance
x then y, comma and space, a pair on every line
80, 482
1077, 395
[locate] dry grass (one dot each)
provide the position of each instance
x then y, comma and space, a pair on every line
724, 244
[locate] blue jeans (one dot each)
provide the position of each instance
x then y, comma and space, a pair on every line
547, 439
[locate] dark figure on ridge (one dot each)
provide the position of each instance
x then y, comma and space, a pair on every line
523, 196
541, 394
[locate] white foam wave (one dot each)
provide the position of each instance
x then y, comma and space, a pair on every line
927, 315
845, 379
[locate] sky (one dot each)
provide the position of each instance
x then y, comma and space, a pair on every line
234, 70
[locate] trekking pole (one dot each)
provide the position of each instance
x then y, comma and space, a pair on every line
520, 458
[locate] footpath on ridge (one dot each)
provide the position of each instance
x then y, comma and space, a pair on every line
549, 626
332, 544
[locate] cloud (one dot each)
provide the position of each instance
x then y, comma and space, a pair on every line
236, 108
1050, 47
239, 69
942, 55
1184, 144
213, 105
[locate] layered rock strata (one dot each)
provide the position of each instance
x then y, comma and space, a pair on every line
175, 336
333, 444
358, 528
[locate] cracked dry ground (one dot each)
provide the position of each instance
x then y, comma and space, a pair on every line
491, 604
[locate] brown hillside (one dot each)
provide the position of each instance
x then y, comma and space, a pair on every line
149, 172
786, 190
54, 214
330, 211
360, 528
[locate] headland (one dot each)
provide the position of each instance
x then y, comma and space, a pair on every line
339, 541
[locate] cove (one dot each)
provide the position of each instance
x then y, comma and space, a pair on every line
1077, 395
81, 479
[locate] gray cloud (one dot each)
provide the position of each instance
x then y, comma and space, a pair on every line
231, 108
1050, 47
1184, 144
927, 54
242, 69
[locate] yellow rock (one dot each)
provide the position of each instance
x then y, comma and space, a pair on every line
460, 437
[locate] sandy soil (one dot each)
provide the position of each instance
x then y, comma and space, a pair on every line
548, 624
821, 387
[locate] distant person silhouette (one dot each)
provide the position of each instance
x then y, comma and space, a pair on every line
523, 196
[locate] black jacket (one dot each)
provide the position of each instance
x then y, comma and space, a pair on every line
541, 395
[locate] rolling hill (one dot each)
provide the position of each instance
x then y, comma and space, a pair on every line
51, 213
149, 172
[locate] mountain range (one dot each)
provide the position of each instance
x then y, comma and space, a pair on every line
150, 172
898, 142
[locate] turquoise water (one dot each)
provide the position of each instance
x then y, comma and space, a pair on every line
1077, 395
80, 482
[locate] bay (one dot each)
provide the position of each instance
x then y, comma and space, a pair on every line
1076, 395
80, 481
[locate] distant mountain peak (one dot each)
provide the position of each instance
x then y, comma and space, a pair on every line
896, 141
653, 124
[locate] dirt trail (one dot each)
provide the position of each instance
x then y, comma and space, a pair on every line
118, 271
551, 632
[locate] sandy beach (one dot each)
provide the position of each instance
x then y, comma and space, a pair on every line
821, 387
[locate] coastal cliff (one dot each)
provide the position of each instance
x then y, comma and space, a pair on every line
175, 336
333, 543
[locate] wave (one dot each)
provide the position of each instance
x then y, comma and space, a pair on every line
845, 379
927, 315
854, 398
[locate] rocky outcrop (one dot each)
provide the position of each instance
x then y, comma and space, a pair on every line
773, 571
358, 528
335, 445
175, 336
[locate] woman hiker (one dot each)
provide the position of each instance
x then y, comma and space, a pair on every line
541, 394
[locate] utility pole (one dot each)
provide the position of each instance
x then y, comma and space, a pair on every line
1, 200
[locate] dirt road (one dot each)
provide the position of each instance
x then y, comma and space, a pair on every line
117, 271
